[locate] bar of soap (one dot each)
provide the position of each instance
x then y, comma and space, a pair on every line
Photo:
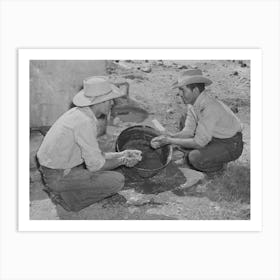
158, 125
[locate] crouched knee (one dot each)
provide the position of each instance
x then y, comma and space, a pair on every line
194, 158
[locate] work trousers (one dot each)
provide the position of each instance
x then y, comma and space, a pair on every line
80, 187
213, 156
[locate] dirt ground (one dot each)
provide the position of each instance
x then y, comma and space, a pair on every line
224, 196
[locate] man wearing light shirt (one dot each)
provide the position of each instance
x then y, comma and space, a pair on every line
211, 133
75, 171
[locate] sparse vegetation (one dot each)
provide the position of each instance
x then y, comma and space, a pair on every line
232, 186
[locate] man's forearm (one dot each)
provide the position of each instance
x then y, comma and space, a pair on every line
113, 155
182, 134
186, 143
112, 163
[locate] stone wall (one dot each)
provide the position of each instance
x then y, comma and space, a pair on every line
53, 83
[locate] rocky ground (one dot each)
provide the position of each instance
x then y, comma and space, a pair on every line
224, 196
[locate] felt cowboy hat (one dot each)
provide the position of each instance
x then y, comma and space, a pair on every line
96, 89
193, 76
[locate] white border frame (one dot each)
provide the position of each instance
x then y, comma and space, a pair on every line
25, 224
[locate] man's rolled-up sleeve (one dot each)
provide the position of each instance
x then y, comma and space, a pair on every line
190, 122
205, 126
86, 138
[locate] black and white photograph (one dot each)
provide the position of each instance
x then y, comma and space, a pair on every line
140, 139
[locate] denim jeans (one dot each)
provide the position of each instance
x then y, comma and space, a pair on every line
80, 187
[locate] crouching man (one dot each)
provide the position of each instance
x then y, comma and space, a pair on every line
211, 132
75, 171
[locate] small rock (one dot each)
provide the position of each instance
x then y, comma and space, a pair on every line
182, 67
124, 65
147, 69
170, 111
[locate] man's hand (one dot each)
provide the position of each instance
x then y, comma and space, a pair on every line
130, 162
132, 154
160, 141
131, 157
128, 158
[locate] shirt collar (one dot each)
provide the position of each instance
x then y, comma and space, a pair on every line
88, 112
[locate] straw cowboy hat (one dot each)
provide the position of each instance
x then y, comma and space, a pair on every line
96, 89
192, 76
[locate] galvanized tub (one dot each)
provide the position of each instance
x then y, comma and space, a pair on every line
139, 137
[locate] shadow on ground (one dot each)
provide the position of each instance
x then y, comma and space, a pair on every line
233, 185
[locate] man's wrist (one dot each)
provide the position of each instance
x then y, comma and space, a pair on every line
170, 140
170, 134
111, 155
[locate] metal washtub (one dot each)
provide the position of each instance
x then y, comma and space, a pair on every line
139, 137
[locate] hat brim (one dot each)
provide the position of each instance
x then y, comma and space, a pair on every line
81, 100
192, 80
